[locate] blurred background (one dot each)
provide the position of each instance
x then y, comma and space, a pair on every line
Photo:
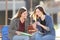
8, 9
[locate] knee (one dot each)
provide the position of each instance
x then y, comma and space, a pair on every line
26, 37
49, 37
15, 37
37, 34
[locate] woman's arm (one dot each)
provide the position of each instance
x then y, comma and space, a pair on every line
12, 26
44, 27
49, 24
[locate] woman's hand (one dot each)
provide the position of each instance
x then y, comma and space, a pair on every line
18, 32
45, 27
38, 23
34, 26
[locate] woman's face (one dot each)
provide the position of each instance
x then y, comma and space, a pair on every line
24, 14
38, 13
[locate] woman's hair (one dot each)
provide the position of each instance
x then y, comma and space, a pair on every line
19, 12
40, 8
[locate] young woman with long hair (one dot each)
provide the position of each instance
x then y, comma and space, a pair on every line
44, 25
17, 25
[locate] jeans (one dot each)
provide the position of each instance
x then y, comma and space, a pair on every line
38, 36
21, 37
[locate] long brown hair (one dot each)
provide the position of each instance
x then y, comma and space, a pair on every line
41, 9
20, 11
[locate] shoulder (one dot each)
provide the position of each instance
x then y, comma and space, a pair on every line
48, 17
15, 19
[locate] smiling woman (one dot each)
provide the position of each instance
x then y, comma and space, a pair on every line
17, 25
45, 28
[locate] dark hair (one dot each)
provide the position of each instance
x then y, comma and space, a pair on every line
41, 9
20, 11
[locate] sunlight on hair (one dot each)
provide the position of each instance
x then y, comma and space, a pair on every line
24, 8
17, 13
14, 16
33, 15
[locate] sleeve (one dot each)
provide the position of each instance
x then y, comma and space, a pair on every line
12, 26
50, 24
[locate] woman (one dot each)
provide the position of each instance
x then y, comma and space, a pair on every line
17, 25
44, 25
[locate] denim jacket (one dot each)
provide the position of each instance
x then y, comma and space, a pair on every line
49, 23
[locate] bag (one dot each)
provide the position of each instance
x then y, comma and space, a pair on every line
5, 33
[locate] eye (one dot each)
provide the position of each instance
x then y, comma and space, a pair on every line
24, 13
